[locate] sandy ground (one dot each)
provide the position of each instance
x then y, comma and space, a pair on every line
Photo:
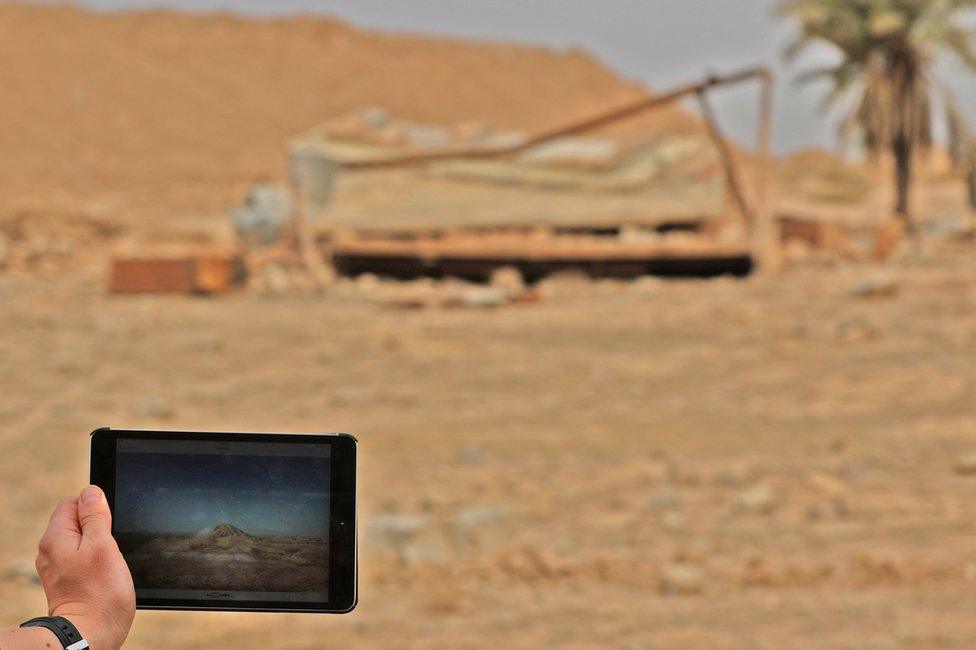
757, 463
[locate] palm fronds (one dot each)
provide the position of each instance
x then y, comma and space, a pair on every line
887, 50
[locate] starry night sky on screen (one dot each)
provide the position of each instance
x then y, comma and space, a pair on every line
187, 493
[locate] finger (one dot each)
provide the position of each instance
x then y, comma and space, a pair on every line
63, 530
93, 514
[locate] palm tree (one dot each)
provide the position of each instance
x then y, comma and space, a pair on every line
888, 51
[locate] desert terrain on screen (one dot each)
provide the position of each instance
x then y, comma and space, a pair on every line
226, 522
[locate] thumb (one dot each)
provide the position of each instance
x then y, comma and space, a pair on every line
93, 514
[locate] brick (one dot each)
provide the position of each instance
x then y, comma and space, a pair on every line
201, 274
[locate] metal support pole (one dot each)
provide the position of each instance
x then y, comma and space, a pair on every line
764, 237
733, 183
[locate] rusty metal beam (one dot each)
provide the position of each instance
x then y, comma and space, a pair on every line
765, 246
580, 126
733, 182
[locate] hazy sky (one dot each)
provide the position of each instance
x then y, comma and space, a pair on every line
658, 42
187, 493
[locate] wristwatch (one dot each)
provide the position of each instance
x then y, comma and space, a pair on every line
67, 633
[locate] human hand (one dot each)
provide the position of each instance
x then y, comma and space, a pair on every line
85, 578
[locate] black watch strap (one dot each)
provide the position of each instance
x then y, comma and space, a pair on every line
67, 633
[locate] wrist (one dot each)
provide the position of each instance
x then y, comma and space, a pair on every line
97, 634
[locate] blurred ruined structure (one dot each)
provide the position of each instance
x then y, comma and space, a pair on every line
465, 199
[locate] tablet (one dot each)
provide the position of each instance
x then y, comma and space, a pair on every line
233, 521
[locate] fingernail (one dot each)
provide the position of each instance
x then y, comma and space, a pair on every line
90, 494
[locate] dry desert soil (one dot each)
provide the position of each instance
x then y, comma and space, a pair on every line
724, 463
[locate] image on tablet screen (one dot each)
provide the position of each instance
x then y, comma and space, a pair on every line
224, 520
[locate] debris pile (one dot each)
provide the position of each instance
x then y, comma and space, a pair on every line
427, 293
31, 241
802, 237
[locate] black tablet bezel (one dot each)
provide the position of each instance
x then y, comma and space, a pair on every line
343, 577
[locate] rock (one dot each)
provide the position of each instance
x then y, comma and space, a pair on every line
610, 285
479, 298
953, 226
796, 331
673, 521
471, 454
835, 492
527, 297
477, 515
375, 116
367, 282
564, 284
666, 498
836, 507
857, 331
531, 564
647, 284
426, 136
469, 130
397, 526
467, 521
264, 215
966, 464
815, 512
154, 407
733, 477
402, 534
630, 233
683, 476
345, 287
827, 485
760, 499
508, 279
39, 246
473, 528
682, 579
796, 250
877, 285
406, 304
838, 446
271, 279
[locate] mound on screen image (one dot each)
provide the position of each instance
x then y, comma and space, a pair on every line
225, 557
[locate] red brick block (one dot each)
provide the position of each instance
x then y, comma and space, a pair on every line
199, 275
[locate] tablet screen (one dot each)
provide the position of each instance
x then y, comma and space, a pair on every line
224, 520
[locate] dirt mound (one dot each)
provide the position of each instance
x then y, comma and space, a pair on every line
160, 113
223, 539
221, 531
